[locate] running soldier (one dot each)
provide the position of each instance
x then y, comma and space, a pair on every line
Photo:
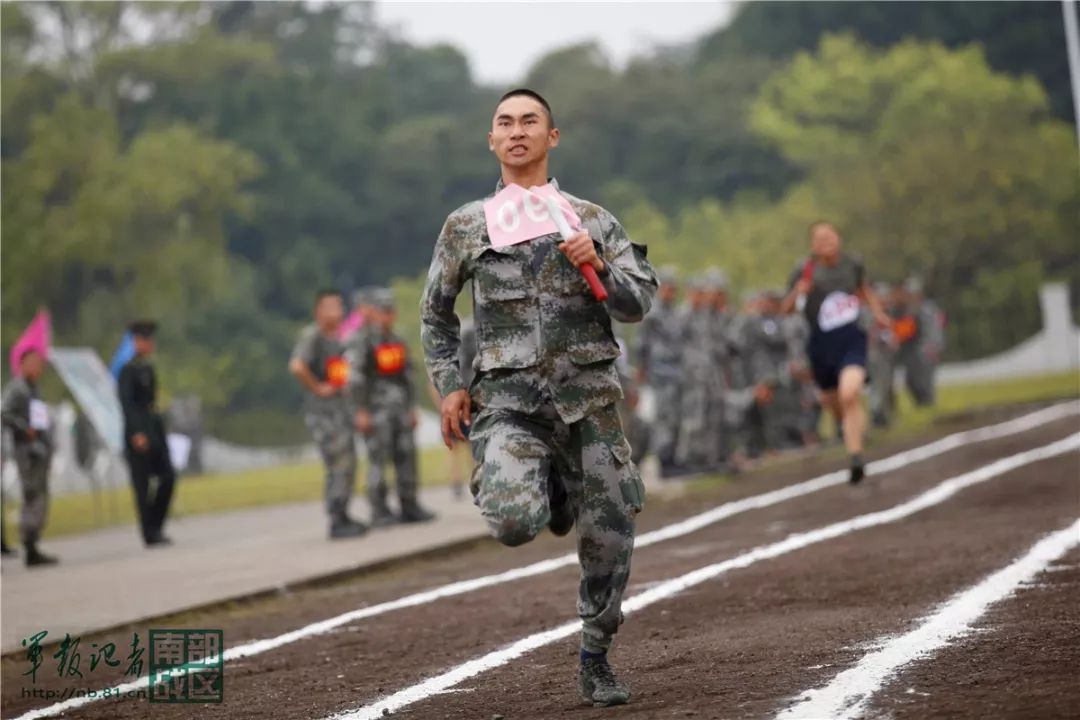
833, 287
381, 385
549, 448
318, 362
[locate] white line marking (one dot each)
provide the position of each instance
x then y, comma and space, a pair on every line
669, 588
849, 692
679, 529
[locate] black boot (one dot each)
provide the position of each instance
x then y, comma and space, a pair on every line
858, 470
342, 526
36, 558
411, 512
6, 550
381, 516
598, 683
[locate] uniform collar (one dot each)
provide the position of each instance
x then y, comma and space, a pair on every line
500, 185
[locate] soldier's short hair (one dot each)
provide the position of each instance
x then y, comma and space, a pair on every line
323, 293
526, 92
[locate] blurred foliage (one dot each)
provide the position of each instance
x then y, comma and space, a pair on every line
212, 164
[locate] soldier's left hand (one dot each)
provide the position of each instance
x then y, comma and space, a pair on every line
414, 420
580, 250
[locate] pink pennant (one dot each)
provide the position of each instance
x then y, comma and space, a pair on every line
517, 215
353, 322
37, 336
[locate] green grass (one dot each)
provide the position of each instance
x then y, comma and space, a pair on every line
197, 495
77, 513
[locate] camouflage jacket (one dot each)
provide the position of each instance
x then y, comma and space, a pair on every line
658, 344
19, 396
380, 371
541, 337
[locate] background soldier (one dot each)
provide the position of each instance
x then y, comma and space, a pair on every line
318, 362
145, 444
882, 362
777, 392
921, 350
658, 354
701, 391
382, 391
27, 417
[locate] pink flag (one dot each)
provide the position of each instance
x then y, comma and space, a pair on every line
517, 215
38, 336
350, 324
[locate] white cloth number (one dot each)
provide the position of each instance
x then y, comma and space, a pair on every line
839, 309
39, 415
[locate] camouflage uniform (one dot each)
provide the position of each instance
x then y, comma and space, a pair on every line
33, 456
330, 420
919, 354
882, 364
658, 353
546, 391
380, 382
701, 404
769, 353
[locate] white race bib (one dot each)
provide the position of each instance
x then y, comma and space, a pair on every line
39, 415
838, 310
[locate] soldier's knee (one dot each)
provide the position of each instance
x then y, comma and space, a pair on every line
516, 530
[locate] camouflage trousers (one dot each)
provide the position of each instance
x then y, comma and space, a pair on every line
665, 430
882, 368
391, 441
702, 440
332, 431
520, 457
919, 374
780, 422
34, 478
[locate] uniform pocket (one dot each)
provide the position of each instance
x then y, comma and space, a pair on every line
630, 483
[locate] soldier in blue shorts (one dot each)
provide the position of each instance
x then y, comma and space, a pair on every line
831, 287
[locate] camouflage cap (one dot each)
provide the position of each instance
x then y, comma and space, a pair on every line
668, 275
382, 298
362, 296
913, 284
715, 279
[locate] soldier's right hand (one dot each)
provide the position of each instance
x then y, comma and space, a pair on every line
363, 422
140, 441
325, 390
456, 409
763, 393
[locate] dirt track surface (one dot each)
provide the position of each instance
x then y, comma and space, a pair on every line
742, 645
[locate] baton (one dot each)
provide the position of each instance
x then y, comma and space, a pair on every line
598, 290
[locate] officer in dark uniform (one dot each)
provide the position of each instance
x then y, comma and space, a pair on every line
145, 446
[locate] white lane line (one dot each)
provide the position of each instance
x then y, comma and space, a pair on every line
669, 588
675, 530
849, 692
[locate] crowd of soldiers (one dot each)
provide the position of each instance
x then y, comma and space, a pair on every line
731, 384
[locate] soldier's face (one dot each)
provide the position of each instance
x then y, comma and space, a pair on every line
330, 312
521, 134
825, 243
32, 366
144, 345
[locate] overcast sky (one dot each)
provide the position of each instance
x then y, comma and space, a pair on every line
502, 40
